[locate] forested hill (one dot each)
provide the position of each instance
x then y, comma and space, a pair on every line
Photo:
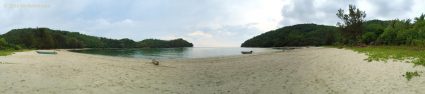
45, 38
156, 43
376, 32
296, 35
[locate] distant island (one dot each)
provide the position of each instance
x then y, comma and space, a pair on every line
45, 38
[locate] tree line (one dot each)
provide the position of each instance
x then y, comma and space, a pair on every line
45, 38
353, 30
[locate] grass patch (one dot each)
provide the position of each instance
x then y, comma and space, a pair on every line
415, 55
9, 52
410, 75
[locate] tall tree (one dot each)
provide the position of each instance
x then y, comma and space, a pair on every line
351, 27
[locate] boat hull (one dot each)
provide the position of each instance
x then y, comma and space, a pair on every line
250, 52
46, 52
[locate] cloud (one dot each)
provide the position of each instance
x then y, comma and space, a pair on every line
382, 9
323, 11
311, 11
200, 34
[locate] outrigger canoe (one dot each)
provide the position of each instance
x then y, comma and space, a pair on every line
246, 52
46, 52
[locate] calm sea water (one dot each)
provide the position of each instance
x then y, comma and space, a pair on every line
172, 53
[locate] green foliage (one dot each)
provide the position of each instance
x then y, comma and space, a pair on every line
415, 55
4, 45
179, 43
45, 38
388, 37
397, 33
155, 43
368, 37
375, 26
297, 35
373, 29
126, 43
410, 75
8, 49
7, 52
352, 26
151, 43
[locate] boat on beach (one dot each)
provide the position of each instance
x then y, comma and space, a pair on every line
247, 52
46, 52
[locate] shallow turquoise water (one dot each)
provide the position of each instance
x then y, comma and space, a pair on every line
172, 53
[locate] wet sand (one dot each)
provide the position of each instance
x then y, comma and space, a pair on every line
299, 71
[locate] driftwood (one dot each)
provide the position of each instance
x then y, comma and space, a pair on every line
155, 62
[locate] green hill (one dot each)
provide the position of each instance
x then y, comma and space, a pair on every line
45, 38
155, 43
296, 35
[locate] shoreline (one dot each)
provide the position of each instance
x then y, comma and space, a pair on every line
279, 49
307, 70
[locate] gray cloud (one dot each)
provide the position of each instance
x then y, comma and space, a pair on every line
385, 9
323, 11
311, 11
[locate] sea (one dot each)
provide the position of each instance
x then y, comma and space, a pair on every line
174, 53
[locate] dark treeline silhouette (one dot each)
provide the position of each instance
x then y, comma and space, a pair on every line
45, 38
354, 30
155, 43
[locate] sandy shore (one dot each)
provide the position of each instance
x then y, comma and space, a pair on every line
299, 71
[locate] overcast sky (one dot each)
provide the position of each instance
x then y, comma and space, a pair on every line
206, 23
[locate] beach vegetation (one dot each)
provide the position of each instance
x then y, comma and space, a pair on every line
415, 55
7, 49
410, 75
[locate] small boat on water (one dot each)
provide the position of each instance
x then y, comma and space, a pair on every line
46, 52
246, 52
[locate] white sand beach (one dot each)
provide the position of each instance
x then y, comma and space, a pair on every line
314, 70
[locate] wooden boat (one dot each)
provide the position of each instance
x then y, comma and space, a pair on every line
246, 52
46, 52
